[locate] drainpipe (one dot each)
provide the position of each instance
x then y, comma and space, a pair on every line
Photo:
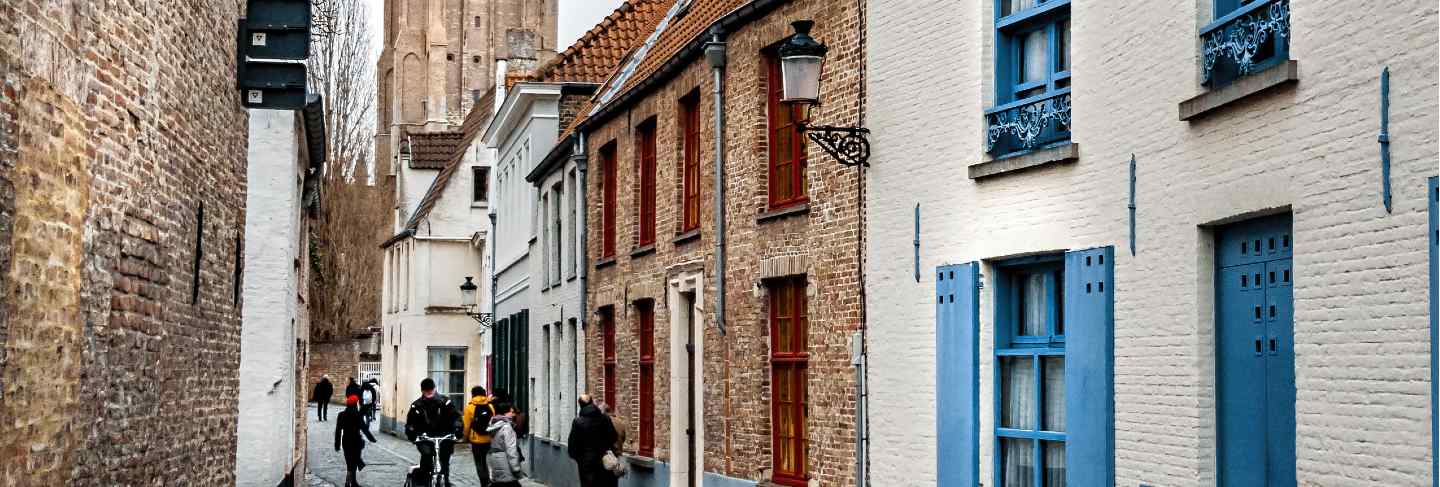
715, 55
579, 157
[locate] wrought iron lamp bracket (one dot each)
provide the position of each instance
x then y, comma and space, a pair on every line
848, 145
485, 320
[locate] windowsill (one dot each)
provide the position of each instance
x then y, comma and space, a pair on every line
642, 251
479, 204
605, 262
638, 461
1255, 83
686, 237
1010, 163
780, 213
571, 278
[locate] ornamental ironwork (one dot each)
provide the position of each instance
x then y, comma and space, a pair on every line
1241, 38
847, 145
1028, 123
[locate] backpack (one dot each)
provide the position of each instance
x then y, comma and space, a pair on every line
481, 420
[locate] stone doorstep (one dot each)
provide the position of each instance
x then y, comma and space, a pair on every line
1068, 152
1254, 83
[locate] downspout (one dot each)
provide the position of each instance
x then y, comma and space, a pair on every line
715, 54
581, 225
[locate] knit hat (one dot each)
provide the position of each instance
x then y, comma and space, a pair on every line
352, 400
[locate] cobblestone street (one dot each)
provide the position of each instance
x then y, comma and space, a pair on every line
386, 461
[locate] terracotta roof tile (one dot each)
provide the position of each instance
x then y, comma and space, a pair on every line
594, 56
431, 150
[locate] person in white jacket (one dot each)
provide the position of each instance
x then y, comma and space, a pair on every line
504, 457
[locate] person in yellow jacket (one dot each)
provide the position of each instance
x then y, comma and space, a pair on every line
478, 413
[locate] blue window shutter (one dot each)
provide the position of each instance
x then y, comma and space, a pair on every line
957, 363
1089, 367
1434, 196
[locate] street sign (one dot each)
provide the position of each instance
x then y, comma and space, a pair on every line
277, 29
271, 45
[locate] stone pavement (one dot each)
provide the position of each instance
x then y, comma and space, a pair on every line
386, 461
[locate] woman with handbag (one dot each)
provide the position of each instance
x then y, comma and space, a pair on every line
592, 437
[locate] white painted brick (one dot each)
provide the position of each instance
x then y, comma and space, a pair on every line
1361, 282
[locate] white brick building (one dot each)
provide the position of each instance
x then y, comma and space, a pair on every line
1300, 146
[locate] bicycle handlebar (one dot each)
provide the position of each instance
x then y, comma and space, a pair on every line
425, 437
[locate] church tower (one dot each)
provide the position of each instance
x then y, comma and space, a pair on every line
440, 58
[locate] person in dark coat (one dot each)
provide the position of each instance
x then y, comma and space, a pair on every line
321, 396
353, 388
432, 414
591, 435
349, 427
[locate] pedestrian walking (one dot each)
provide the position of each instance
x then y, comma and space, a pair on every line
353, 388
620, 428
504, 456
478, 413
432, 414
369, 400
349, 427
321, 396
591, 435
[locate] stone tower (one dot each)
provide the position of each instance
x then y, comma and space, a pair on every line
440, 57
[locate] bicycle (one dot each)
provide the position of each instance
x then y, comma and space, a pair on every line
436, 479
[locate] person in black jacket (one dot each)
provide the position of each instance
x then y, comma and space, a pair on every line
353, 388
349, 426
591, 435
321, 396
434, 415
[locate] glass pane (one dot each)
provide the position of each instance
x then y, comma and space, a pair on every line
1054, 452
1017, 392
1017, 462
1008, 7
1034, 308
457, 383
1062, 51
457, 360
1054, 393
1059, 286
437, 360
1033, 53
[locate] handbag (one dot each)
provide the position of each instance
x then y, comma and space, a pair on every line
615, 464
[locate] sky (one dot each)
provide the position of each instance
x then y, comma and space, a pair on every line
576, 17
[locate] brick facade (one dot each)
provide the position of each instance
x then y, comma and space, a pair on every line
1362, 359
821, 240
339, 359
121, 122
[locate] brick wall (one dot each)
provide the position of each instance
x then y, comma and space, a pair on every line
1361, 328
339, 359
125, 121
735, 406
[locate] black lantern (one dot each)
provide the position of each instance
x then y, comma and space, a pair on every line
802, 61
467, 300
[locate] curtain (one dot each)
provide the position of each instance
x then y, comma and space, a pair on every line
1054, 394
1018, 458
1054, 464
1035, 302
1036, 53
1011, 6
1018, 393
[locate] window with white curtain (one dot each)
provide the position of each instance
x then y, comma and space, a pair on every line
447, 368
1030, 354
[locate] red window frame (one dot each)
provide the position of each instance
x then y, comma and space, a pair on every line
645, 321
690, 165
645, 167
607, 344
789, 364
788, 185
608, 181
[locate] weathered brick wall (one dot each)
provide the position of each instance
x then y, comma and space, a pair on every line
737, 441
1361, 328
339, 359
121, 120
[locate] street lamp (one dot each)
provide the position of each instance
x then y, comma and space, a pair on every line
467, 300
802, 60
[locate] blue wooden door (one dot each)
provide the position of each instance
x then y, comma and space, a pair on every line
1255, 357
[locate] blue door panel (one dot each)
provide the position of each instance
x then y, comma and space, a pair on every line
1240, 350
1255, 353
957, 364
1089, 367
1280, 373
